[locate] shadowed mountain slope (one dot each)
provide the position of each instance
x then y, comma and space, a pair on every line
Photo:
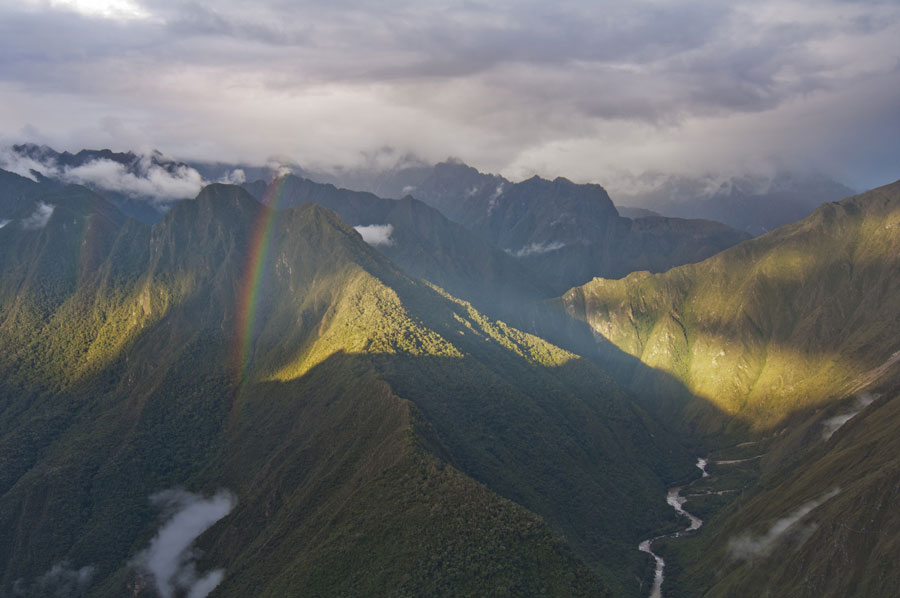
564, 232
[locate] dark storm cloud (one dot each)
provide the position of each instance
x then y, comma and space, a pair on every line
576, 88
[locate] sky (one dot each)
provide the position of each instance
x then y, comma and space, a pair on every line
594, 91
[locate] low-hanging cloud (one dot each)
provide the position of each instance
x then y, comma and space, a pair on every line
234, 177
376, 234
832, 424
151, 180
4, 222
750, 546
151, 177
537, 249
24, 166
60, 581
40, 217
171, 558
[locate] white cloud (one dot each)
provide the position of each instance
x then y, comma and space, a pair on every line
832, 424
235, 177
574, 89
4, 222
40, 217
376, 234
152, 181
106, 9
170, 558
537, 249
22, 165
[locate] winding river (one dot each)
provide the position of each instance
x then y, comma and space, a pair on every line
676, 501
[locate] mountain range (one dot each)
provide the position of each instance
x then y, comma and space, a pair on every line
482, 388
567, 233
346, 406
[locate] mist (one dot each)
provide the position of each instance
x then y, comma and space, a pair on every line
60, 581
39, 218
171, 558
151, 181
749, 546
537, 249
832, 424
376, 234
23, 166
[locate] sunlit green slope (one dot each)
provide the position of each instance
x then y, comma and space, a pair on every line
775, 325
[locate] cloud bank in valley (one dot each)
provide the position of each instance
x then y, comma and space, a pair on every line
171, 559
572, 88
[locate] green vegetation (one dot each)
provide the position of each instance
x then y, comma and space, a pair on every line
776, 325
773, 339
384, 438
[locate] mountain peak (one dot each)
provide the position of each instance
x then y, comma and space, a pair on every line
224, 193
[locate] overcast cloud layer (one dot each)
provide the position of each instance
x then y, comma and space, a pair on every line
584, 89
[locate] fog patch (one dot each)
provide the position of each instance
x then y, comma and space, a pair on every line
280, 167
152, 177
537, 249
376, 234
235, 177
831, 425
170, 559
60, 581
494, 198
147, 179
23, 166
4, 222
40, 217
748, 546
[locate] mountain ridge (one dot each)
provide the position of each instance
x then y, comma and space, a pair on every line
164, 408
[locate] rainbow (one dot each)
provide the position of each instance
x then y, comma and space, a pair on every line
248, 293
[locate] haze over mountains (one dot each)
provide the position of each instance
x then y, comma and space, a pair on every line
752, 203
321, 374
